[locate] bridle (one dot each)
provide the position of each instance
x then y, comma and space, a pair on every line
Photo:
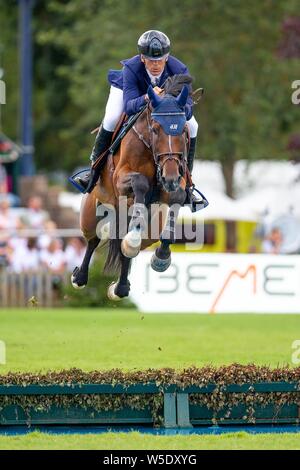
160, 159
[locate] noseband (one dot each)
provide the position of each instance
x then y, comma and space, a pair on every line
160, 159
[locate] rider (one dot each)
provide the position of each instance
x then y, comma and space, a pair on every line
128, 92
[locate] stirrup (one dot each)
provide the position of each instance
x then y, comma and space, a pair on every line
196, 204
77, 185
93, 178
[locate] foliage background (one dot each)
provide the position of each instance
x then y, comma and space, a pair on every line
245, 55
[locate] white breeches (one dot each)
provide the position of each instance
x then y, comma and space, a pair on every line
114, 109
193, 127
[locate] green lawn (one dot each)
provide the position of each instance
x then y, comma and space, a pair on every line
38, 339
135, 440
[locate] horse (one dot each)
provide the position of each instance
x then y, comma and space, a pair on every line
150, 160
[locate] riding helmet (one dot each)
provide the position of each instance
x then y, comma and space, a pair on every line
154, 44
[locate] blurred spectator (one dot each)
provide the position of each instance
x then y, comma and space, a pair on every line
48, 234
32, 259
8, 220
53, 258
25, 257
36, 216
17, 247
273, 242
4, 252
3, 180
74, 252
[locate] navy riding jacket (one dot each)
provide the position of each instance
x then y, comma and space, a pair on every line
134, 81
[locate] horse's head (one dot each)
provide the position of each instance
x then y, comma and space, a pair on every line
169, 136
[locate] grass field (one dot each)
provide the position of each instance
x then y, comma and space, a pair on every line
39, 339
135, 440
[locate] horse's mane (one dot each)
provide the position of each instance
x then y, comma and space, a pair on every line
174, 84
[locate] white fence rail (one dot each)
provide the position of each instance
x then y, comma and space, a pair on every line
29, 289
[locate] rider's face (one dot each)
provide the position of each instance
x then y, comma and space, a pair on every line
155, 67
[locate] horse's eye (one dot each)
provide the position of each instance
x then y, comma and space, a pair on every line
155, 130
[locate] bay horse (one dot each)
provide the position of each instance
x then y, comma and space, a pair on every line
151, 159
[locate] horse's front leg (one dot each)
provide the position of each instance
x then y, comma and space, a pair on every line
161, 258
131, 244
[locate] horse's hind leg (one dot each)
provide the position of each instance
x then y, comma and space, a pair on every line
118, 290
88, 218
80, 276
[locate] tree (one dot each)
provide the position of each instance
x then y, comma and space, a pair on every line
232, 50
289, 48
8, 62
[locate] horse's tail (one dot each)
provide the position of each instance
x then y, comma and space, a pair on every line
114, 255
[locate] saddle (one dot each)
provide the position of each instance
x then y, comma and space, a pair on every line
124, 125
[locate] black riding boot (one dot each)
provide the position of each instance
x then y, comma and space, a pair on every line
196, 202
102, 142
191, 154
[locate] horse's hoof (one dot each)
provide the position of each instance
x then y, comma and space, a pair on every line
77, 281
111, 292
122, 290
75, 285
160, 265
131, 244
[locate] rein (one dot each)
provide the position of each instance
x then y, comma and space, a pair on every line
179, 157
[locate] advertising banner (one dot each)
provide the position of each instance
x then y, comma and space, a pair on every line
218, 283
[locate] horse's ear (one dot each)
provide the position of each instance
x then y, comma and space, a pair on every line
154, 98
182, 98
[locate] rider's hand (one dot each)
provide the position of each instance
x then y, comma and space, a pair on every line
157, 90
